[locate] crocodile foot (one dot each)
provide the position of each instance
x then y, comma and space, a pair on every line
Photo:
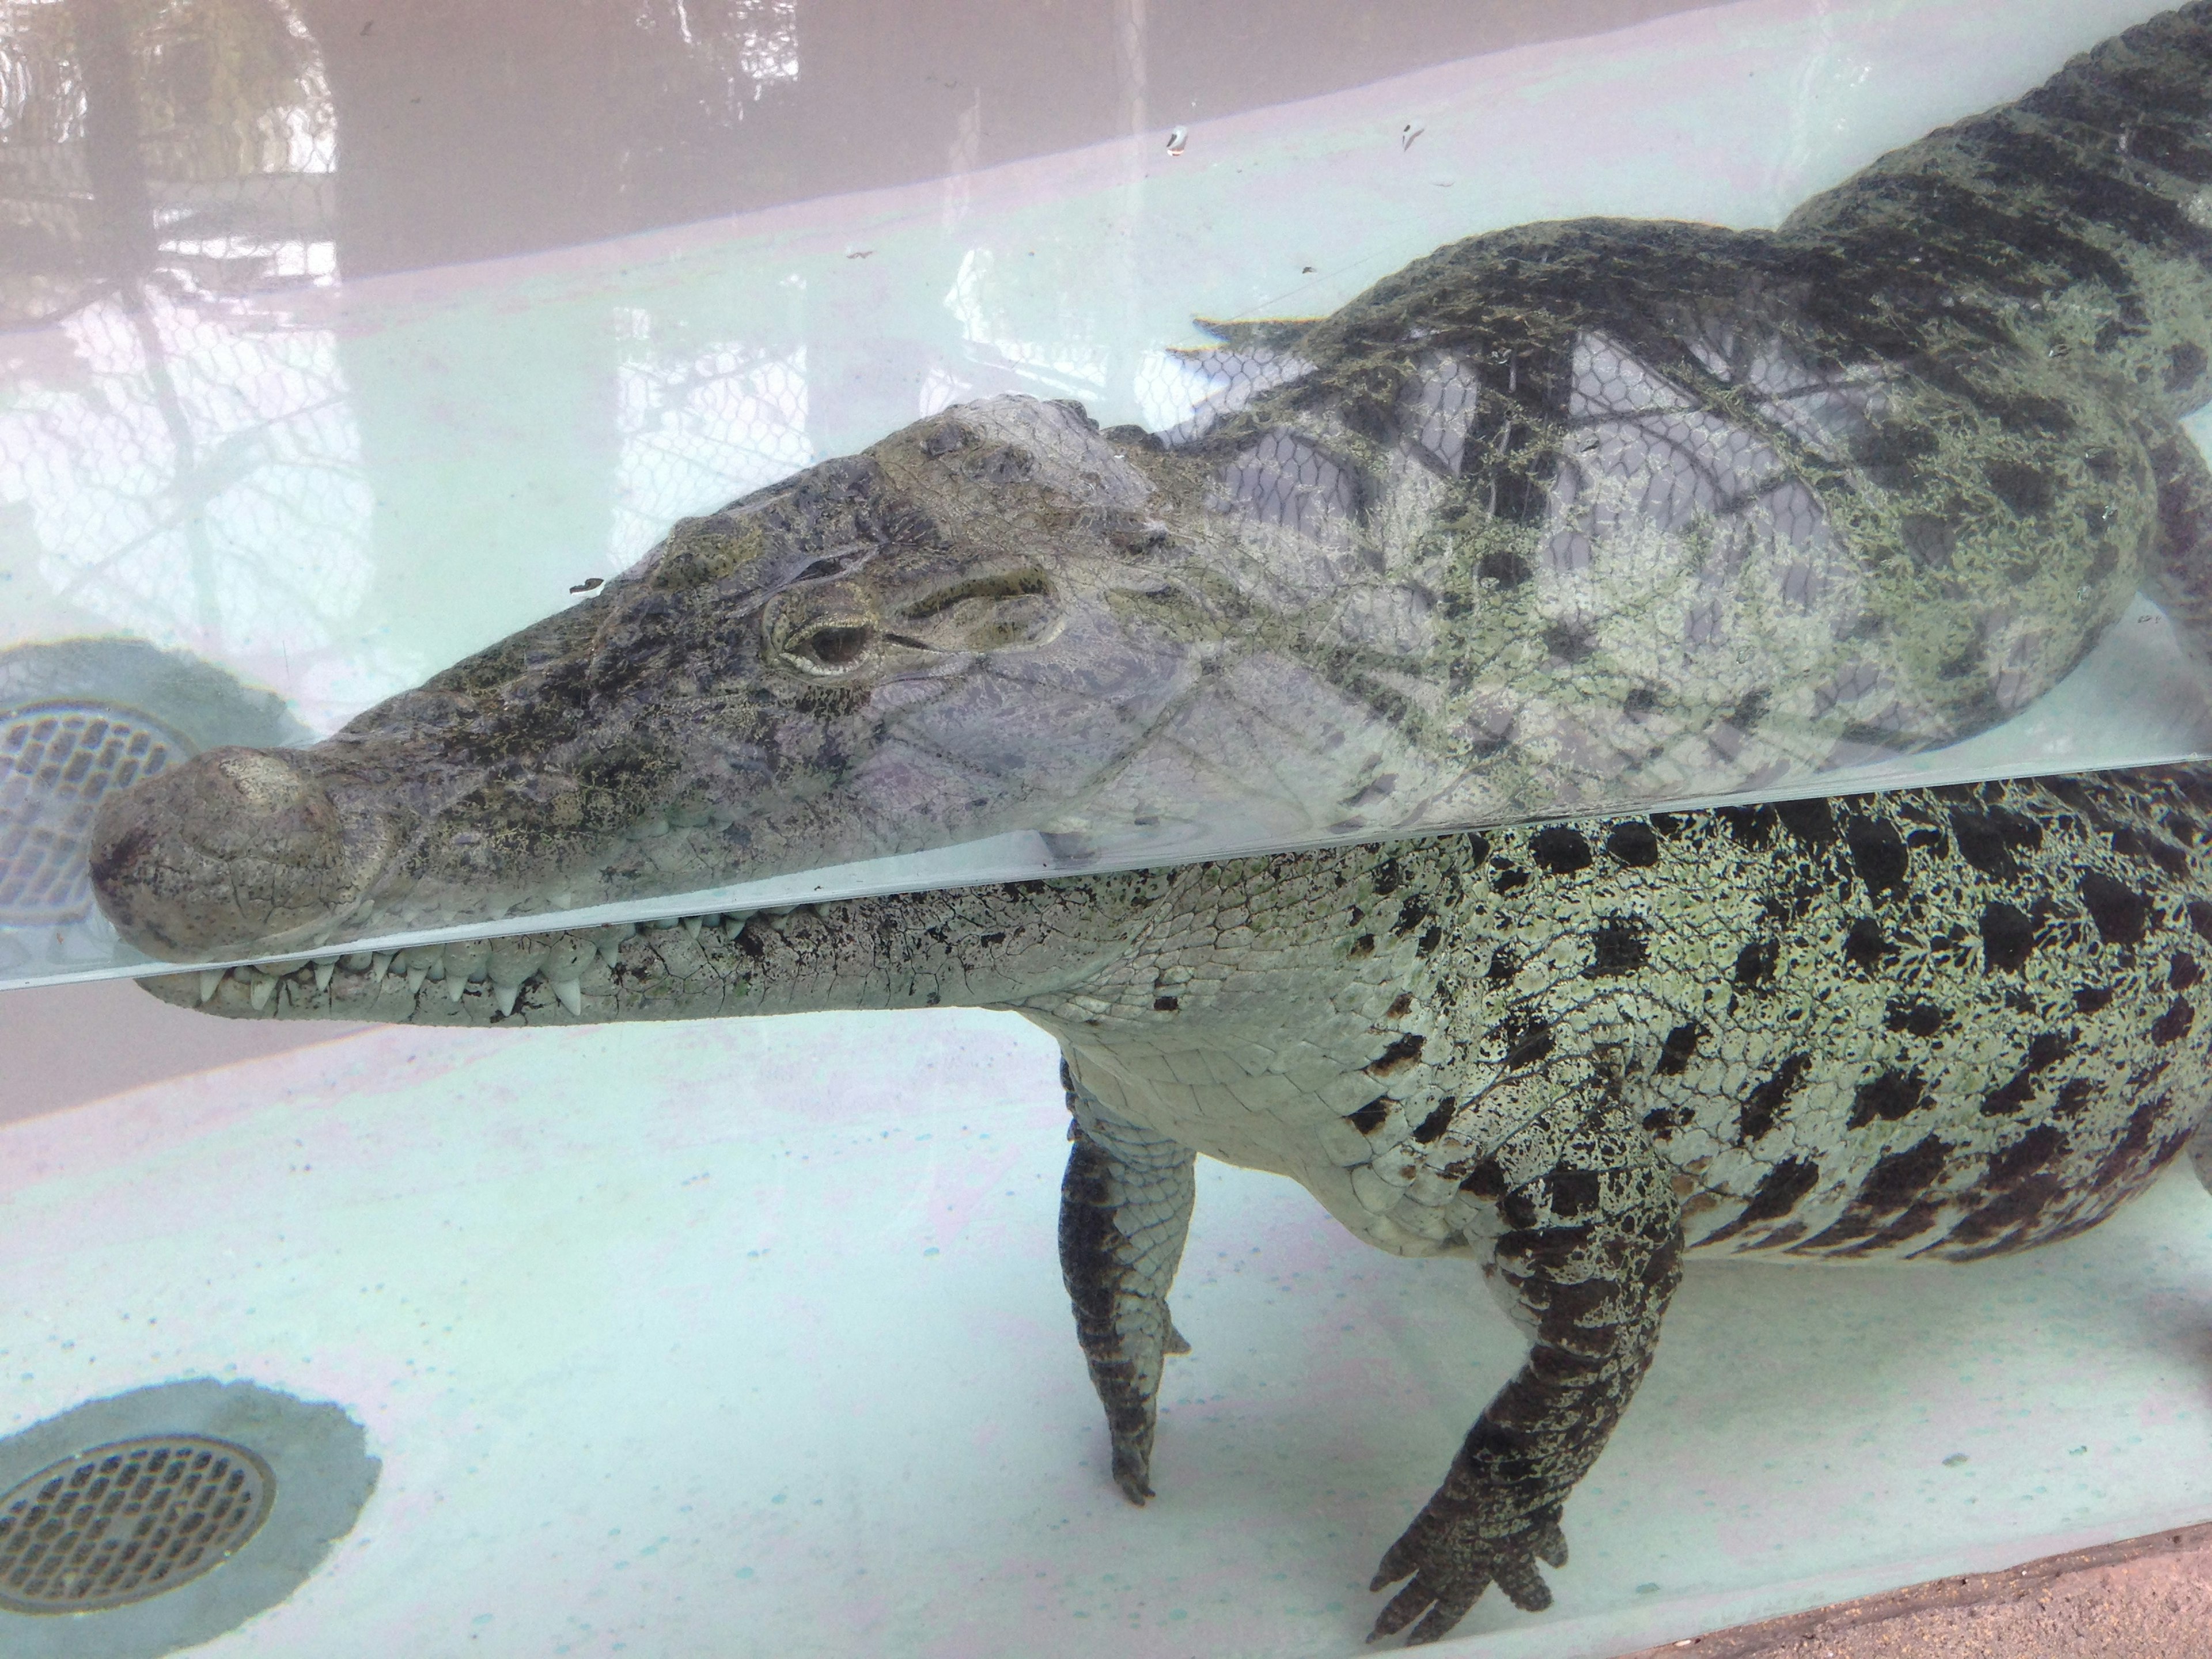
1452, 1556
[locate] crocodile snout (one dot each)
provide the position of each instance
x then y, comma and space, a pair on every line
239, 852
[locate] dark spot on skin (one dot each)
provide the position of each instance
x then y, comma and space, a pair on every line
1617, 947
1478, 848
2173, 1024
1572, 1192
2132, 1156
1369, 1118
2023, 489
1411, 914
1915, 1219
1486, 1180
1765, 1103
1166, 1005
2015, 1163
1675, 1053
1899, 1178
1934, 843
1929, 542
2075, 1094
2119, 912
1430, 938
2151, 849
1387, 878
1559, 850
2010, 1096
2185, 364
2092, 999
1892, 1095
1527, 1037
2047, 1049
1503, 566
1507, 876
1667, 823
1361, 947
1432, 1127
1661, 1121
1400, 1008
2200, 918
1641, 701
1750, 826
1890, 455
1921, 1019
2007, 936
1754, 964
2183, 972
2016, 1207
1877, 852
1398, 1056
1566, 643
1808, 821
1987, 840
1864, 946
1982, 845
1788, 1233
1635, 843
1504, 965
1777, 1194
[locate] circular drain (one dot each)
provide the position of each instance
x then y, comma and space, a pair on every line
124, 1522
160, 1518
57, 760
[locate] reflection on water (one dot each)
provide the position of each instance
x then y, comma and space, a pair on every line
702, 424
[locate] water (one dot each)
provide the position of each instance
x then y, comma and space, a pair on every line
331, 474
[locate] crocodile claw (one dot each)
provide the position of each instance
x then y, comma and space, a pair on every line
1452, 1557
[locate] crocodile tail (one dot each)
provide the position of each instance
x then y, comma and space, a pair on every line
2078, 218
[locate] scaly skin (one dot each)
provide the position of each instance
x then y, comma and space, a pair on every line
1568, 517
1945, 1023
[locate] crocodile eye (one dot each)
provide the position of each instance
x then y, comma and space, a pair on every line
830, 649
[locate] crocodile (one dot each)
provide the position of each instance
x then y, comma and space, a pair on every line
1559, 520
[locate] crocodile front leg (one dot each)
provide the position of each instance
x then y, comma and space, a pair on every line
1591, 1254
1124, 1212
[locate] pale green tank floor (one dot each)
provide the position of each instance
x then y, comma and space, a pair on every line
747, 1339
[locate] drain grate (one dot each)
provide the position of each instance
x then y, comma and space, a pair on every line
57, 760
124, 1522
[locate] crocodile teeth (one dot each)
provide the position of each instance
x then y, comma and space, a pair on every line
571, 995
506, 993
262, 985
692, 925
455, 985
324, 969
210, 982
415, 978
378, 965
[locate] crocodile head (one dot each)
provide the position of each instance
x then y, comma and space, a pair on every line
906, 648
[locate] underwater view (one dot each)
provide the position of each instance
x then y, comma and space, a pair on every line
1586, 631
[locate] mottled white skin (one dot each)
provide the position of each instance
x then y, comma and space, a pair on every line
1943, 1022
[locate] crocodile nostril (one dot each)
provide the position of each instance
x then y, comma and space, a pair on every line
232, 851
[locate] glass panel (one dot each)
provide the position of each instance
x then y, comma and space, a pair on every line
1684, 538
